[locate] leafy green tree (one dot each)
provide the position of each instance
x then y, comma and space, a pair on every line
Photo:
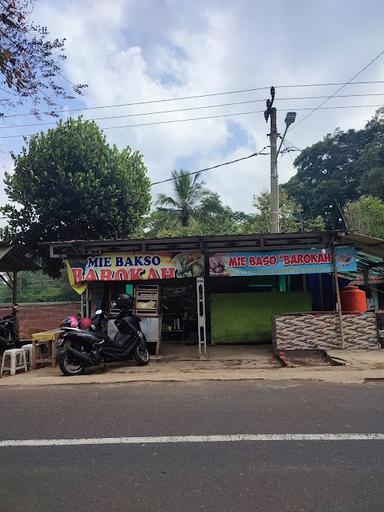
330, 173
30, 63
371, 162
366, 215
161, 224
188, 192
210, 217
372, 183
215, 218
70, 184
291, 215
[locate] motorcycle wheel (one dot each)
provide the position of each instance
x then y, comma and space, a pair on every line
68, 366
141, 354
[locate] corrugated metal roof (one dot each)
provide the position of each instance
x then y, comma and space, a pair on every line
12, 259
368, 244
4, 250
207, 244
370, 250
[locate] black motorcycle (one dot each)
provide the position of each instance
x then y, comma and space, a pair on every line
79, 349
8, 332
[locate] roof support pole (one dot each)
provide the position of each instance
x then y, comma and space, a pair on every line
201, 325
14, 290
338, 300
321, 291
14, 304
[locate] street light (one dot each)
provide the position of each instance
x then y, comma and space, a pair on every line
289, 119
275, 208
271, 114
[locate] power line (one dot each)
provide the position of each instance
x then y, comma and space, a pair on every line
229, 162
212, 167
288, 150
230, 115
202, 107
293, 145
168, 121
196, 96
342, 86
234, 114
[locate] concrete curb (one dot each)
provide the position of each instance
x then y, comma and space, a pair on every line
342, 375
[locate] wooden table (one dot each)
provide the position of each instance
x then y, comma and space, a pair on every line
49, 339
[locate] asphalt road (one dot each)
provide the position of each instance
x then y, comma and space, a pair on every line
247, 476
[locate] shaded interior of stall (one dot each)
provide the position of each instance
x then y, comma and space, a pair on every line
239, 309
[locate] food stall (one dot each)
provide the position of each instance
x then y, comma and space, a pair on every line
163, 285
221, 289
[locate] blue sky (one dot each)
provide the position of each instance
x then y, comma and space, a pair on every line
131, 50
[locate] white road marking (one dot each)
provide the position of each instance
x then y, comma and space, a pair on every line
192, 439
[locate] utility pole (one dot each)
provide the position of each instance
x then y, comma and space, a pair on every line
275, 224
271, 113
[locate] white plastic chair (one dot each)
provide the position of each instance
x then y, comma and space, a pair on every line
17, 361
28, 353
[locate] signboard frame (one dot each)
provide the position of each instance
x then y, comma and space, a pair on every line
133, 267
283, 262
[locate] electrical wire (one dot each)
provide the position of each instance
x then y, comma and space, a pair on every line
339, 89
168, 121
234, 114
293, 145
287, 150
230, 162
231, 115
202, 107
196, 96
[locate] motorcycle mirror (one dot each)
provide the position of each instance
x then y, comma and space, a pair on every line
98, 312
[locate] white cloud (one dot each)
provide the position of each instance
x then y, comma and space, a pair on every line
130, 50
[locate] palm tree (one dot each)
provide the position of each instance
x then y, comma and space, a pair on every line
188, 192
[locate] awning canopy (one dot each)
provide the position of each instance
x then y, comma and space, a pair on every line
12, 259
222, 243
205, 244
370, 250
367, 244
370, 269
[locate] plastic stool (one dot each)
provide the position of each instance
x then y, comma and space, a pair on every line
17, 361
28, 353
43, 351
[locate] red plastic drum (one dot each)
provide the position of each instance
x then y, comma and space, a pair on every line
353, 299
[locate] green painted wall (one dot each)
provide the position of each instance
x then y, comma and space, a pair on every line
247, 317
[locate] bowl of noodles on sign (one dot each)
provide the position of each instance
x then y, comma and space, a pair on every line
189, 264
217, 266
